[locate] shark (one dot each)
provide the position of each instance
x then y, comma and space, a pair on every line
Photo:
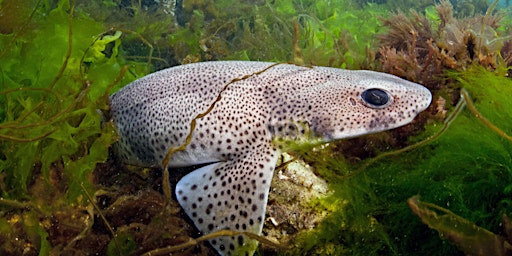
239, 109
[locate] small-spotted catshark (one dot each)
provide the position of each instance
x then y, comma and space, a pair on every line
246, 106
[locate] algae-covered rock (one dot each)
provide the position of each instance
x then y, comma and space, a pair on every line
291, 208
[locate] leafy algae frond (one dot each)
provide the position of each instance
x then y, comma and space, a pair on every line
471, 238
52, 136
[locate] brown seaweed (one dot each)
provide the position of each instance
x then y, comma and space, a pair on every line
470, 238
422, 48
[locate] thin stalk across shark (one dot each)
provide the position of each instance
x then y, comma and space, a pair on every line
235, 136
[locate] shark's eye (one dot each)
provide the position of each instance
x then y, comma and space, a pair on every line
376, 98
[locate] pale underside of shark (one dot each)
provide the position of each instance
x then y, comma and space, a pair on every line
236, 138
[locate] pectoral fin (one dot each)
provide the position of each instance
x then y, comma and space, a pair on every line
230, 195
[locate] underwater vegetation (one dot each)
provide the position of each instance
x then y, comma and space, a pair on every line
471, 238
421, 47
462, 8
61, 192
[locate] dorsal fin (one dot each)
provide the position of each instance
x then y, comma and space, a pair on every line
230, 195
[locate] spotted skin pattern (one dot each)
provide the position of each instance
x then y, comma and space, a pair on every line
236, 138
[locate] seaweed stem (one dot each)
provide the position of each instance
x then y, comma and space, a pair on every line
145, 41
326, 31
484, 23
152, 58
415, 201
21, 118
458, 109
116, 80
298, 58
114, 236
166, 186
20, 205
192, 242
182, 147
51, 120
7, 137
465, 100
485, 121
70, 45
430, 55
83, 233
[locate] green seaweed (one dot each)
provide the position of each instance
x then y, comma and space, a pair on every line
472, 239
332, 33
340, 37
57, 104
52, 135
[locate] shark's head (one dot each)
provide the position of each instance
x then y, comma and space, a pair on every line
364, 102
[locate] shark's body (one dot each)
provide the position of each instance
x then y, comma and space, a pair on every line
235, 138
